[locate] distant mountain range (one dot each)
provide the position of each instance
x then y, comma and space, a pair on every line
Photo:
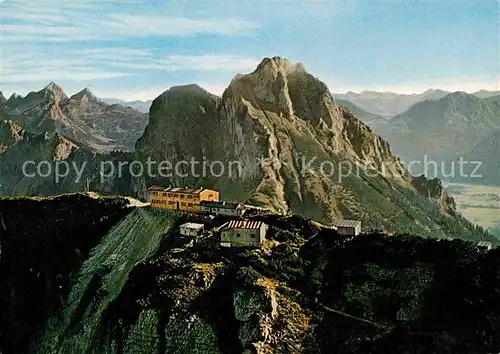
445, 127
380, 125
457, 125
439, 127
141, 106
81, 117
368, 105
389, 104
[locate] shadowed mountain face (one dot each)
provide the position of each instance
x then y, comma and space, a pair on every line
444, 128
2, 100
486, 155
81, 117
48, 163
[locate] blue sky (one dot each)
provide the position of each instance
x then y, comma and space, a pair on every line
138, 49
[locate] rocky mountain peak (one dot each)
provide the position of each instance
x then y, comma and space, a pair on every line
279, 64
54, 91
13, 98
84, 94
287, 89
189, 89
278, 113
2, 98
10, 132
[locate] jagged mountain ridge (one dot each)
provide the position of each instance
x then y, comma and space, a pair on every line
2, 100
18, 146
389, 104
345, 100
281, 113
81, 117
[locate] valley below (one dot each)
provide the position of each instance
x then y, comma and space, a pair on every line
478, 203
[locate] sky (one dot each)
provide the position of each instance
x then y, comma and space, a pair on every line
135, 50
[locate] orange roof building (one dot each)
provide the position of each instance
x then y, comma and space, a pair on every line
183, 199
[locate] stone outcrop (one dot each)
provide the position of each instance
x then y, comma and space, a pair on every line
434, 190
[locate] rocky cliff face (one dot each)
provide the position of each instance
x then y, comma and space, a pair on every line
434, 190
50, 164
81, 117
296, 148
18, 147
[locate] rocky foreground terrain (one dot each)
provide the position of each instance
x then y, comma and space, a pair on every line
87, 274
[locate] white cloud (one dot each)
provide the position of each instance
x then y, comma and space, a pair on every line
25, 64
28, 68
212, 62
40, 42
67, 22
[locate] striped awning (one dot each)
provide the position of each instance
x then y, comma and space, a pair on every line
244, 224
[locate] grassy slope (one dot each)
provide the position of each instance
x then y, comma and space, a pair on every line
132, 241
42, 243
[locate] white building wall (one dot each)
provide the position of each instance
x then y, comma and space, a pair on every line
349, 231
229, 237
346, 231
188, 231
222, 211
